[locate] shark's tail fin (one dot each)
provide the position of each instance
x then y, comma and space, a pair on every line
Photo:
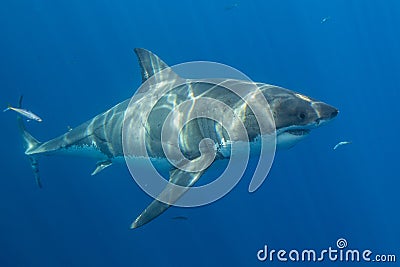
30, 143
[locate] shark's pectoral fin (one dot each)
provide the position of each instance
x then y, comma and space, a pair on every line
170, 194
101, 165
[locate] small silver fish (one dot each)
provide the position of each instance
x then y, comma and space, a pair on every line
232, 6
341, 144
325, 19
26, 113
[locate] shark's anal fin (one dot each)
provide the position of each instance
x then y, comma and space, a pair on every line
101, 165
171, 194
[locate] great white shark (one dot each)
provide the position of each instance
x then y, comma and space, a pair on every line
295, 115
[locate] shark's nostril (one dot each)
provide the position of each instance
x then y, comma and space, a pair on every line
334, 113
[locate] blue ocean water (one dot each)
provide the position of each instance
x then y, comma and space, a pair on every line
74, 59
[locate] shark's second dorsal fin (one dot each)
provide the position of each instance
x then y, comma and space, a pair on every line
150, 64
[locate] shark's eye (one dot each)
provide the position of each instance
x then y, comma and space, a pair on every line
302, 115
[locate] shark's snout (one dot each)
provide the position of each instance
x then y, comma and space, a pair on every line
324, 111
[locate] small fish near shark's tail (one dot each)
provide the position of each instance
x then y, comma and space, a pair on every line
7, 108
30, 142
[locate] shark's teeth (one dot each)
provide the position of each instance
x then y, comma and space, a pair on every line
298, 131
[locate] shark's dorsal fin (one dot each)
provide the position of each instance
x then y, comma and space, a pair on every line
151, 64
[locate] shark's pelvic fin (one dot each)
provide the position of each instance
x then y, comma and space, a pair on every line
151, 64
171, 194
101, 165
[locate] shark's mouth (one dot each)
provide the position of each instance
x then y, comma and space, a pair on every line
298, 132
